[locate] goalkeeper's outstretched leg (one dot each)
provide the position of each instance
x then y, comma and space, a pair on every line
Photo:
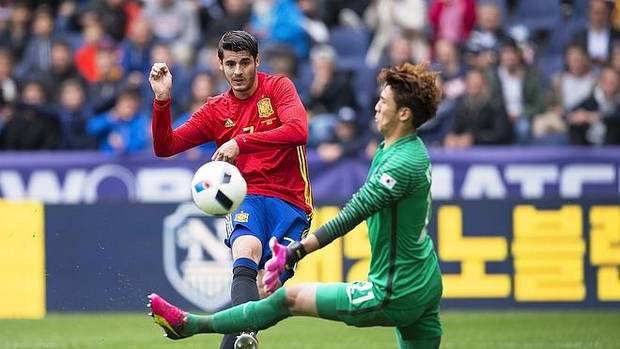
353, 304
251, 316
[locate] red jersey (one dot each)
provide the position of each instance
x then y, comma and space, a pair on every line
270, 127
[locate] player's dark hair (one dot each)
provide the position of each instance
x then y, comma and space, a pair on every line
414, 87
237, 41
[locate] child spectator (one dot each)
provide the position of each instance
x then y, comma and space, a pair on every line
122, 130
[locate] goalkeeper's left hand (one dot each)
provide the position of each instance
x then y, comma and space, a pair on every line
282, 258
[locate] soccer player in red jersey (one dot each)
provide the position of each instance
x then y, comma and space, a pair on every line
260, 125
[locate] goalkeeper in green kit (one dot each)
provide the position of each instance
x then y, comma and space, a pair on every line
404, 282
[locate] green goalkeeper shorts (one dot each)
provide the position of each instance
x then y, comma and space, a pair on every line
415, 316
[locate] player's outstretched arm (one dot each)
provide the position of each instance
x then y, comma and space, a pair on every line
168, 142
387, 185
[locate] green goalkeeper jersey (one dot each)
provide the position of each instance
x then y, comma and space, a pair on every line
396, 202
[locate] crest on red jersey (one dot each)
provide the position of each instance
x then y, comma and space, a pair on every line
264, 108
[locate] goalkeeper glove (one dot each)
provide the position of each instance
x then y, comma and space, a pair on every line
282, 258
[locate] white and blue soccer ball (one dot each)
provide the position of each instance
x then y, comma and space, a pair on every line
218, 188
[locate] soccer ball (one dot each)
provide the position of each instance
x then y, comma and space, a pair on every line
218, 188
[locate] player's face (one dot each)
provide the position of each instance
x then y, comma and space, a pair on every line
239, 69
386, 113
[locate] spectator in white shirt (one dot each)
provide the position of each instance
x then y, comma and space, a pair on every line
599, 37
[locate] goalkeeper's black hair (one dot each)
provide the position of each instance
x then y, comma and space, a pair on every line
414, 87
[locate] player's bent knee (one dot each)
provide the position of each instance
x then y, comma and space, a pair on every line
247, 246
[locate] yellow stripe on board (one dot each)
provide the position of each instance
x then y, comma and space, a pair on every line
22, 260
303, 168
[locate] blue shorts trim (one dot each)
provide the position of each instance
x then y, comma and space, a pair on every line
264, 217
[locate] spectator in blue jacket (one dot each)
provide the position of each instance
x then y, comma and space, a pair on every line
123, 129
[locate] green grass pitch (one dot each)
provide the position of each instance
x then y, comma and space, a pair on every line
509, 329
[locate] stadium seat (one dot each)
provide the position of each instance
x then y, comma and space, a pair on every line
548, 66
304, 72
351, 45
537, 15
580, 11
561, 36
365, 86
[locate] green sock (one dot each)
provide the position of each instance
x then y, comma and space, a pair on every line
250, 316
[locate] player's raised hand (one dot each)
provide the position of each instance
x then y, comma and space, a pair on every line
161, 81
275, 266
226, 152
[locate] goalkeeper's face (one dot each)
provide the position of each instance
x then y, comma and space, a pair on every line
239, 69
387, 116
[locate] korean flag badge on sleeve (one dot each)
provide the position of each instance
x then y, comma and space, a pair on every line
387, 181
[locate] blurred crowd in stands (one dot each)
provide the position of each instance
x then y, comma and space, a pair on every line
73, 74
